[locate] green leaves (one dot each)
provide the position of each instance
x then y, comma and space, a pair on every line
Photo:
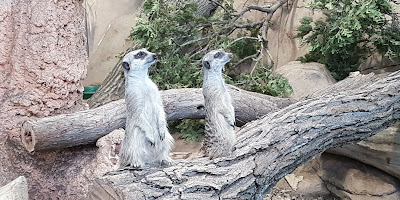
351, 31
191, 130
263, 81
180, 38
165, 27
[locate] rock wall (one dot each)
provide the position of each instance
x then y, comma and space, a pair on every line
43, 59
108, 27
42, 64
283, 45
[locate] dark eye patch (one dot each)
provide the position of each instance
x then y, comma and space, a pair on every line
218, 55
206, 64
140, 55
125, 65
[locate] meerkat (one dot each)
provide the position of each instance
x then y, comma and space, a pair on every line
220, 115
147, 140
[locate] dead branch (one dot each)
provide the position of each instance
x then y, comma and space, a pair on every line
267, 149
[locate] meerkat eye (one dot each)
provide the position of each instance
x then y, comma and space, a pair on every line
140, 55
218, 55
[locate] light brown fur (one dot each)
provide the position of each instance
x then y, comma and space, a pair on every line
220, 115
147, 140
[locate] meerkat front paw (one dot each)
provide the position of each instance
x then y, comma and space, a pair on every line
137, 164
162, 131
166, 161
232, 122
162, 135
151, 140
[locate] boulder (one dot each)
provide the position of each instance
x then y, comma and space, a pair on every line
351, 179
303, 183
15, 190
306, 78
381, 150
107, 155
331, 176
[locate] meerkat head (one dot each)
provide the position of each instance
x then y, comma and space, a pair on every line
216, 59
138, 60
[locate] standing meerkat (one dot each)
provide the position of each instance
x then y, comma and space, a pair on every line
220, 114
147, 140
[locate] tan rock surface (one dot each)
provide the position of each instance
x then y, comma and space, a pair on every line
350, 179
309, 185
108, 24
283, 45
306, 78
381, 150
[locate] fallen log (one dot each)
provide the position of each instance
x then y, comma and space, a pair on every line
87, 126
266, 150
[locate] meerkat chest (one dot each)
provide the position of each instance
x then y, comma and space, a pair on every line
142, 100
216, 93
142, 93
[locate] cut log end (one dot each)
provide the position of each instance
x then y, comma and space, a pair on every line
28, 137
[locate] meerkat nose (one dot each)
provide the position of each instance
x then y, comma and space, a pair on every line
155, 56
230, 55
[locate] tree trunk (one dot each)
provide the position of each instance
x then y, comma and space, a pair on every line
113, 87
43, 61
266, 149
87, 126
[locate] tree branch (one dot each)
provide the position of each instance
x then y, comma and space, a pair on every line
266, 149
87, 126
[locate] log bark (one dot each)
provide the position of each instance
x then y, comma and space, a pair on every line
87, 126
15, 190
113, 87
266, 150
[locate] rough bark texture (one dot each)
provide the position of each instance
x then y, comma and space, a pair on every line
15, 190
42, 62
87, 126
113, 87
266, 149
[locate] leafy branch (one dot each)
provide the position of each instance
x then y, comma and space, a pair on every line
350, 33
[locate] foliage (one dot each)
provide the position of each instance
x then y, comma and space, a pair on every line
156, 30
349, 33
191, 130
180, 38
263, 81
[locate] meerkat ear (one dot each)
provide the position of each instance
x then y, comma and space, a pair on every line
125, 65
206, 64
